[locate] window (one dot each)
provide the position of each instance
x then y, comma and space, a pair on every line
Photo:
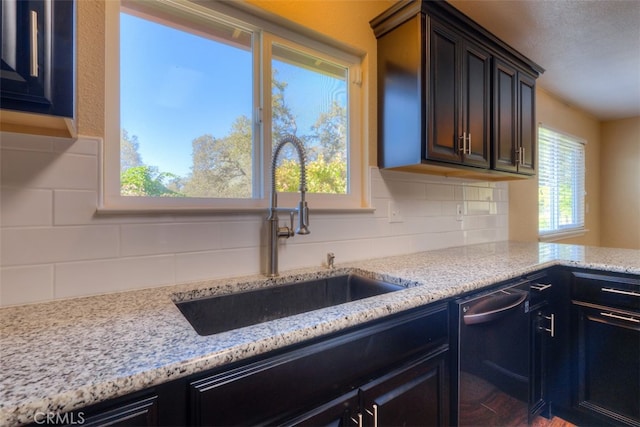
202, 95
561, 188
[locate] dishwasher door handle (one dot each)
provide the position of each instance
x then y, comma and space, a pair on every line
493, 308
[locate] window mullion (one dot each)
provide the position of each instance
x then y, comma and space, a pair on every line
267, 113
260, 150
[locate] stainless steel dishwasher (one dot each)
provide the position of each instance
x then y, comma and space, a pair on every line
493, 359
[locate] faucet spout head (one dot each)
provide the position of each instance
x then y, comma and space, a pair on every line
303, 218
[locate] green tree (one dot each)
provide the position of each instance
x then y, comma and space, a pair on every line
145, 181
283, 120
222, 167
322, 177
129, 155
330, 132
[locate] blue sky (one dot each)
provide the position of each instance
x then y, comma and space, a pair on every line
171, 95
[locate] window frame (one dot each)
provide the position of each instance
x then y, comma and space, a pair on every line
267, 28
576, 228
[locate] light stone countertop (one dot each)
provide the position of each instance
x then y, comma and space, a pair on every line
63, 355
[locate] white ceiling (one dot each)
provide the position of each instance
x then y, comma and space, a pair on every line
590, 49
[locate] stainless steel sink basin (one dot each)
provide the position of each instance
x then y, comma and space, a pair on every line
216, 314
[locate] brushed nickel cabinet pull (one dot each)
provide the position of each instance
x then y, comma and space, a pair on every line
374, 414
616, 316
540, 286
621, 292
34, 44
552, 318
463, 149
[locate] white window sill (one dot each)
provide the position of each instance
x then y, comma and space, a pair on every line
552, 237
216, 211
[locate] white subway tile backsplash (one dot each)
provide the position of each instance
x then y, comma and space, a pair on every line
42, 245
407, 189
74, 207
440, 192
112, 275
88, 146
148, 239
36, 169
21, 141
25, 285
54, 245
241, 234
217, 264
25, 207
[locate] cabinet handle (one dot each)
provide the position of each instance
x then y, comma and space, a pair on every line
522, 155
540, 286
621, 292
34, 44
552, 318
463, 149
552, 324
375, 414
615, 316
359, 420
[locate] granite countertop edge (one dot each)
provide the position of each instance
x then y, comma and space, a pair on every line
110, 345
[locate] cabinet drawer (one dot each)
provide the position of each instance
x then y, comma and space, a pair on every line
606, 289
540, 289
288, 383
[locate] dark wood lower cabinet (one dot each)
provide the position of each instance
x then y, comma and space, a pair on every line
396, 371
607, 372
275, 390
416, 395
596, 366
342, 411
141, 412
413, 395
398, 365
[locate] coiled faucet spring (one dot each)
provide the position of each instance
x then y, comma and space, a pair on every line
275, 231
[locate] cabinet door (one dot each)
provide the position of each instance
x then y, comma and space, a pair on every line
607, 377
22, 58
37, 73
443, 141
416, 395
292, 381
475, 113
138, 412
505, 114
542, 331
339, 412
527, 124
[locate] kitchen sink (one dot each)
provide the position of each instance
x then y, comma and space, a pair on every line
216, 314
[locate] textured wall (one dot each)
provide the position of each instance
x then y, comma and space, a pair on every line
523, 201
90, 63
620, 186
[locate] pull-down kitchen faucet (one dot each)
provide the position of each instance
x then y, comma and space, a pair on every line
275, 231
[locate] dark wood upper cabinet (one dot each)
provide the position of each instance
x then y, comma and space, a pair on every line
37, 73
453, 99
514, 119
459, 78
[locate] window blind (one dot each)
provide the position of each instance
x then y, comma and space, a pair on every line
561, 188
